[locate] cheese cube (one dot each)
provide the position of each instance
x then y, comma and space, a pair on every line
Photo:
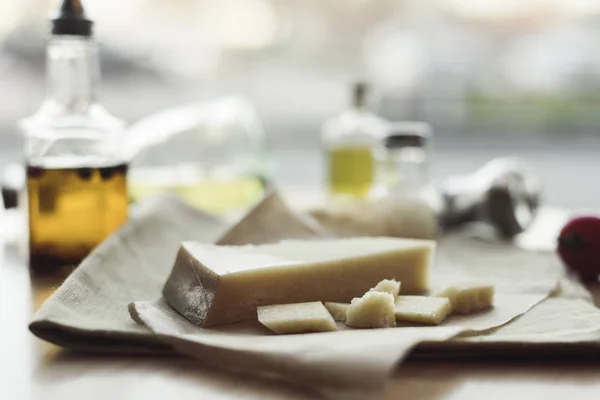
373, 310
296, 318
469, 297
425, 310
390, 286
337, 310
213, 285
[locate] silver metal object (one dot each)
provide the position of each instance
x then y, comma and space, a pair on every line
504, 193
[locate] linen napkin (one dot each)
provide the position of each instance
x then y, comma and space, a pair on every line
90, 310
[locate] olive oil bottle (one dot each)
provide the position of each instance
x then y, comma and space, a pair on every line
353, 147
76, 175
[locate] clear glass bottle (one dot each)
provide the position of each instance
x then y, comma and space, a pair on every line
76, 175
353, 145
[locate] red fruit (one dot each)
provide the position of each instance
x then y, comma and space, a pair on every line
579, 246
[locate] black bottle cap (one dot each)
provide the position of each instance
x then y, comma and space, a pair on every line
71, 20
359, 94
396, 141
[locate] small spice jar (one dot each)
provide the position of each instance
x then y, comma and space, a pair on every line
406, 171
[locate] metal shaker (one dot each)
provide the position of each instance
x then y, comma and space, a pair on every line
504, 193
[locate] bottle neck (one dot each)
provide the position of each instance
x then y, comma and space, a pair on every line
73, 72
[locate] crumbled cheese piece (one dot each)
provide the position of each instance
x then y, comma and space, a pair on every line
390, 286
373, 310
469, 297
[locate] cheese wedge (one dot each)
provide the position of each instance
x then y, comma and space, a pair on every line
469, 297
425, 310
213, 285
390, 286
373, 310
296, 318
337, 310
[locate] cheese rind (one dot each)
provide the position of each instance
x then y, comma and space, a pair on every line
337, 310
469, 297
296, 318
425, 310
212, 285
390, 286
373, 310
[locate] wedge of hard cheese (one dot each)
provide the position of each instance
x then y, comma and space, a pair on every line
213, 285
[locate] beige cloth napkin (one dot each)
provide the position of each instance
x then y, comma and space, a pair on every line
89, 311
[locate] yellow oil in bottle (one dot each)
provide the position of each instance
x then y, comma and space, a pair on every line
72, 210
213, 195
351, 170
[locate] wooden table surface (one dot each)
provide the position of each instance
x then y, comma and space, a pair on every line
31, 369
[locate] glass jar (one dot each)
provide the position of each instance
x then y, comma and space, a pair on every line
407, 169
213, 155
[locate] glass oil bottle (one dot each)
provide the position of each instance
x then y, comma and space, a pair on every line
76, 177
353, 147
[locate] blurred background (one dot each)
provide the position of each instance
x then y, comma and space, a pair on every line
492, 77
